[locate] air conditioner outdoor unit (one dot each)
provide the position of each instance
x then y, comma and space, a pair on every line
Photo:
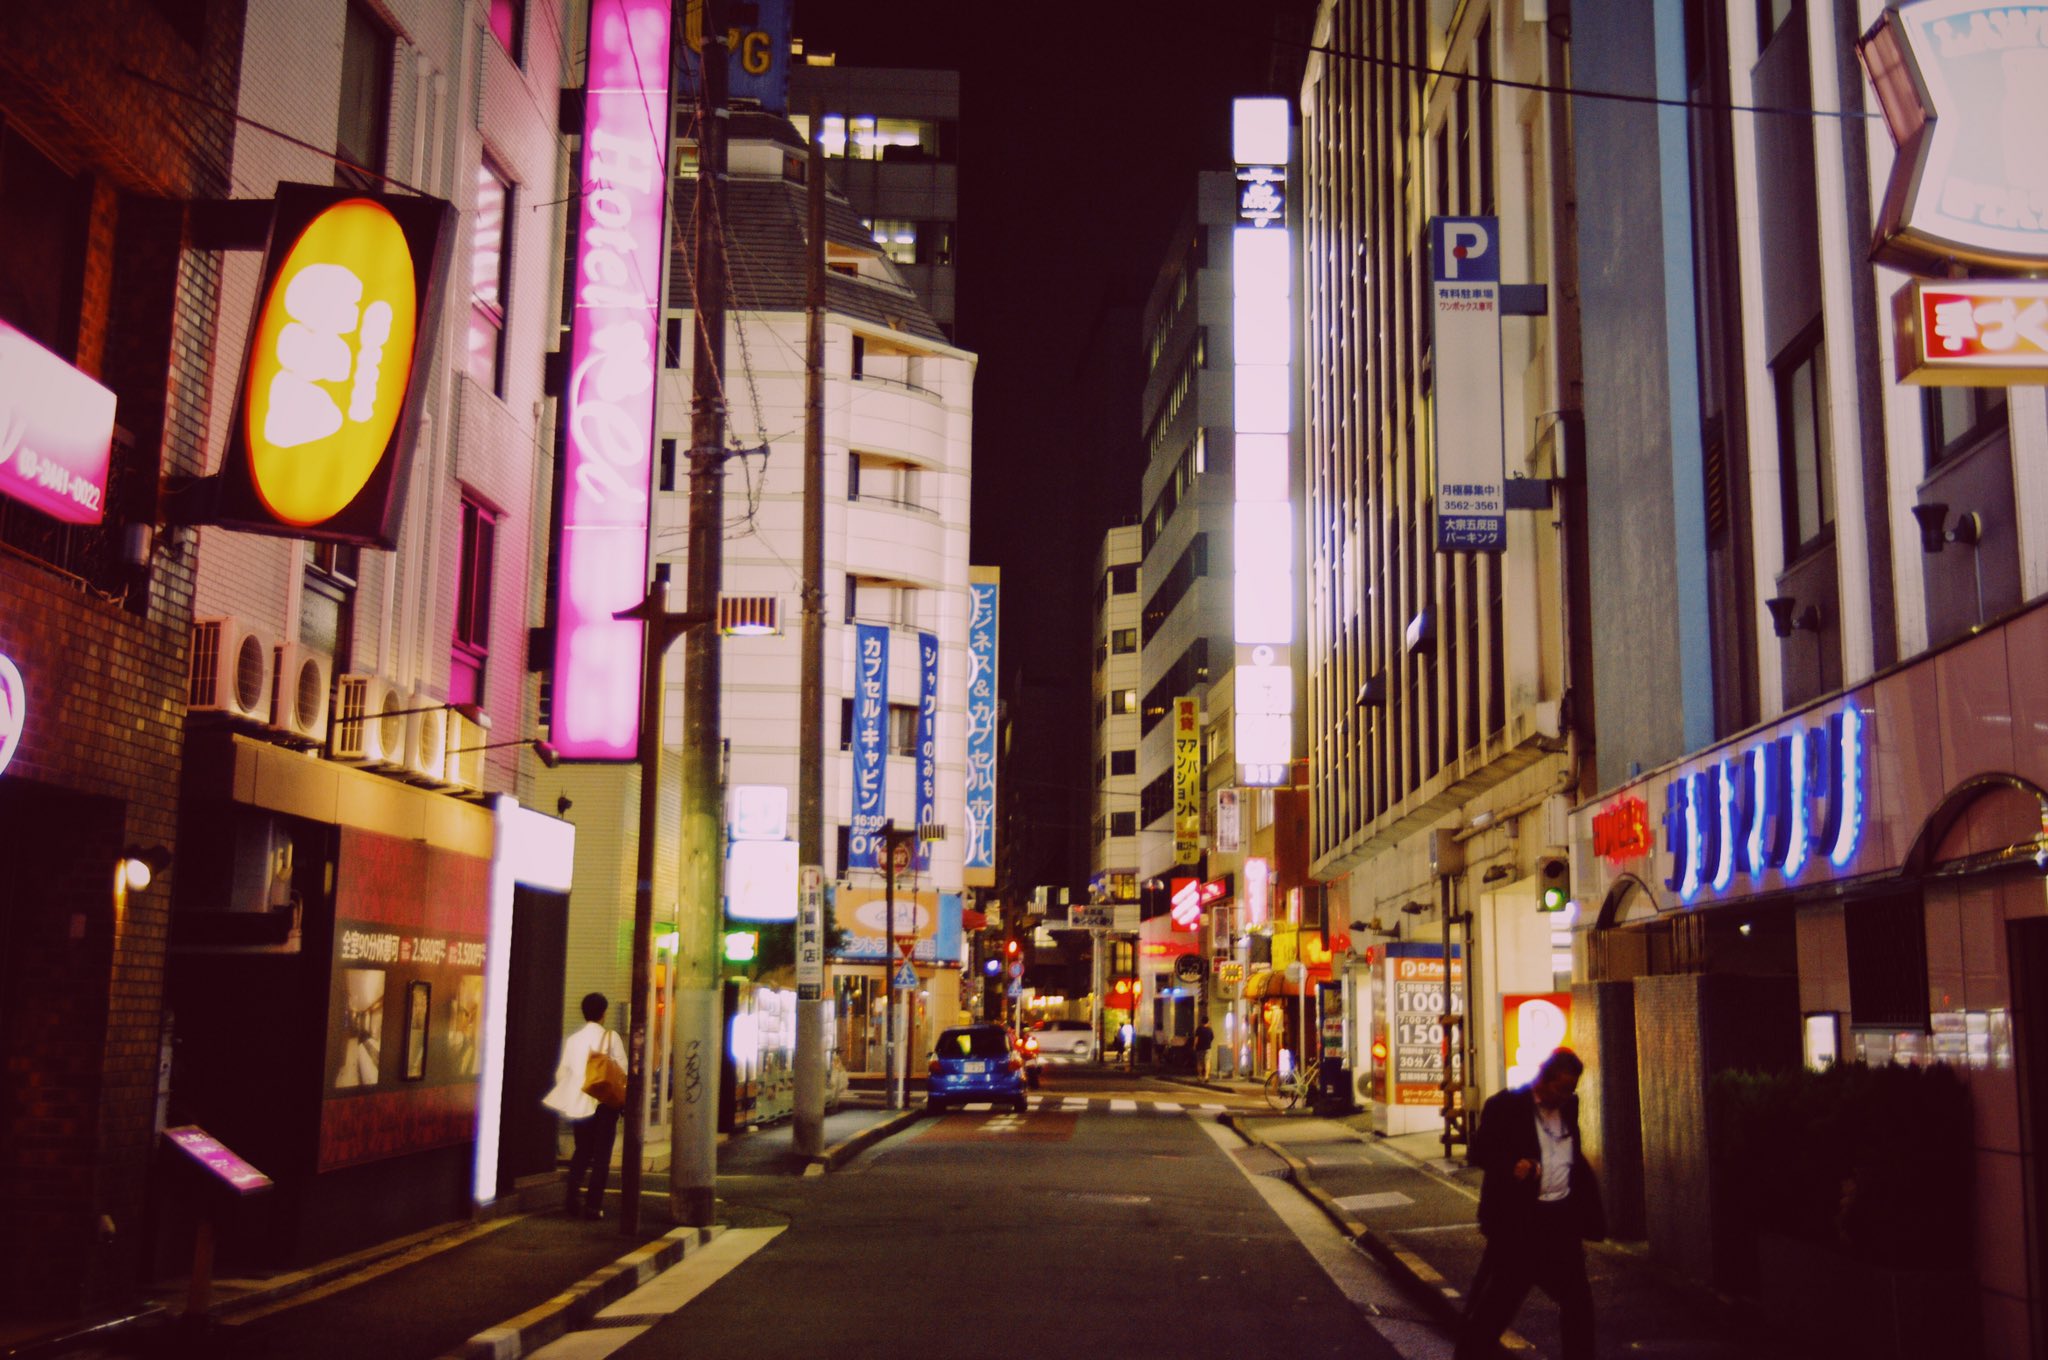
300, 692
465, 768
426, 741
230, 671
359, 735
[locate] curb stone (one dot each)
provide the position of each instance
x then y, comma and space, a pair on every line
844, 1151
537, 1326
1421, 1281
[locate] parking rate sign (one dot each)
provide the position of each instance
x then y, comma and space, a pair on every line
1471, 462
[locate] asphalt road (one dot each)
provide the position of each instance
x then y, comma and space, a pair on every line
1096, 1231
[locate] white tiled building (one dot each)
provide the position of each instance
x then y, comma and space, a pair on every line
898, 403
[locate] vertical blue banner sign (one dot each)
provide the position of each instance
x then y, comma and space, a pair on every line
980, 862
927, 742
1471, 448
870, 728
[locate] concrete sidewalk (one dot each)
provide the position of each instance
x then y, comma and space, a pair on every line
499, 1287
1417, 1214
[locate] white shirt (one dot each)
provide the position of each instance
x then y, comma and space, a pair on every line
1554, 1135
567, 1096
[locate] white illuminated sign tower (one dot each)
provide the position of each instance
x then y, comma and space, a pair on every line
1261, 273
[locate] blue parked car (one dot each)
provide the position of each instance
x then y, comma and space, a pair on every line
975, 1062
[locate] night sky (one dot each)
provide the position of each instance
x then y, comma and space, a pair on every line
1082, 129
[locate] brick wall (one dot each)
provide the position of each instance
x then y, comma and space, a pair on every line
81, 970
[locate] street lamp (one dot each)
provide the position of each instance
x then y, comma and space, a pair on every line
549, 756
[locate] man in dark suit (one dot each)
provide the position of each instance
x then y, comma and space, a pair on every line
1539, 1200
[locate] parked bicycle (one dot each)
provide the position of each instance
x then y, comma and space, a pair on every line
1284, 1093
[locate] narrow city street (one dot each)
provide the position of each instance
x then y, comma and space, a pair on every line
1119, 1213
1113, 1217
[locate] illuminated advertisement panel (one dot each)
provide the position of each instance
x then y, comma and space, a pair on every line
56, 432
1971, 332
870, 719
1963, 85
327, 410
608, 398
13, 710
1262, 546
927, 745
1187, 781
979, 866
406, 991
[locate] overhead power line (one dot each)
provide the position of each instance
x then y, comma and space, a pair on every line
1543, 87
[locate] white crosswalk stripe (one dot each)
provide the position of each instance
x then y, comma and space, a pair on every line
1122, 1106
1171, 1106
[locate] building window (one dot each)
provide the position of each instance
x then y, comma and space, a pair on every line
1126, 701
1958, 417
843, 835
897, 237
860, 356
1123, 580
364, 124
42, 245
1123, 640
667, 465
864, 137
508, 25
472, 605
672, 343
1123, 762
1123, 823
490, 264
327, 606
1805, 458
902, 729
846, 724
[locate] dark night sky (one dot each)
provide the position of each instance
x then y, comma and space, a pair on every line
1082, 129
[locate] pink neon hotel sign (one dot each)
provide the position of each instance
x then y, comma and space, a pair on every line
609, 398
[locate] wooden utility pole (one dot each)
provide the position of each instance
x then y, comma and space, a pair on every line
809, 1130
698, 1047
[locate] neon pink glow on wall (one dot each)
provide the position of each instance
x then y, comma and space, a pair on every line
56, 431
608, 405
13, 711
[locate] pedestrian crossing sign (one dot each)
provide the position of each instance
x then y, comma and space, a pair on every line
906, 977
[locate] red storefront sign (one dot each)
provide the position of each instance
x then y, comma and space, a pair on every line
1621, 830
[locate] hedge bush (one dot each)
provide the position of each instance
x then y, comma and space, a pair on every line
1874, 1161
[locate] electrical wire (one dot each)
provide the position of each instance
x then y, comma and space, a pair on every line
1542, 87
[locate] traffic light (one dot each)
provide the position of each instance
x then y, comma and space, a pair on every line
1553, 882
1011, 947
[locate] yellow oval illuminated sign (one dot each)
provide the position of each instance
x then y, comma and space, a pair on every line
329, 363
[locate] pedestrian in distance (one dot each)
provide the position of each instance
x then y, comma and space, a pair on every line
1205, 1040
1538, 1204
592, 1122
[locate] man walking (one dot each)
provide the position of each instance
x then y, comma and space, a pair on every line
1205, 1039
1537, 1204
592, 1123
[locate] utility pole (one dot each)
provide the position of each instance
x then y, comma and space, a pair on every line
662, 629
898, 1096
693, 1118
809, 1122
